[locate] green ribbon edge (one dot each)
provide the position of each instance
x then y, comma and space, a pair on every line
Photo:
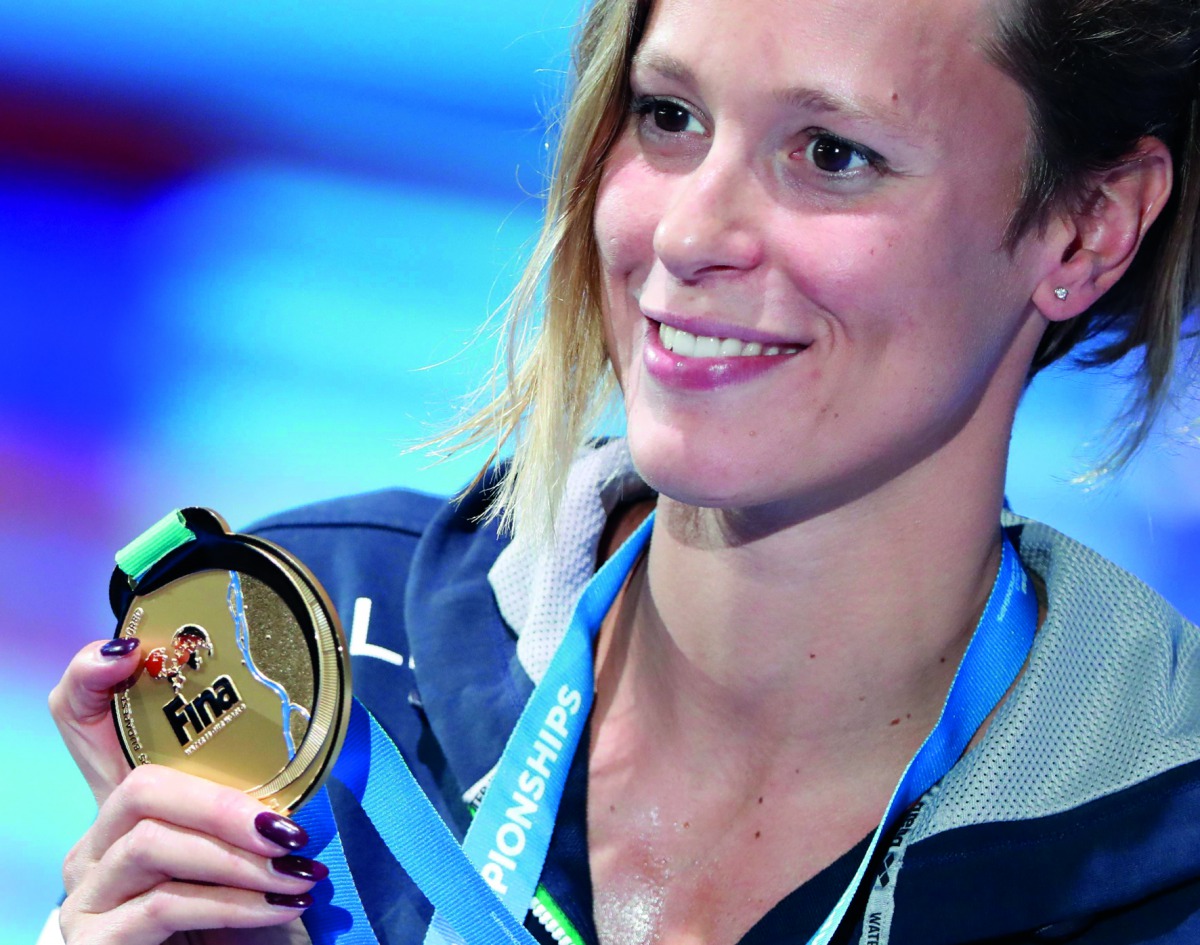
167, 534
570, 933
542, 895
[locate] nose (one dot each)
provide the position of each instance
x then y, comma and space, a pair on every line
709, 225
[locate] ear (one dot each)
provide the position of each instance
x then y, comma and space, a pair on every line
1099, 237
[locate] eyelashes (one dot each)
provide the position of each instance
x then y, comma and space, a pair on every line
663, 112
661, 119
833, 154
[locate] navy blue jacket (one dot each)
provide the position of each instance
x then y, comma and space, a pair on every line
1102, 866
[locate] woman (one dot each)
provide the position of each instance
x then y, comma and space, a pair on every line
822, 244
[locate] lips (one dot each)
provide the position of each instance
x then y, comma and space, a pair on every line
692, 361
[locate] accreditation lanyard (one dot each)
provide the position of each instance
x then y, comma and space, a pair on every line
510, 833
482, 891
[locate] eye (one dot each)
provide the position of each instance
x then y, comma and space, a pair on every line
666, 116
835, 156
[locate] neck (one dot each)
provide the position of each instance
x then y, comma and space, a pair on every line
829, 641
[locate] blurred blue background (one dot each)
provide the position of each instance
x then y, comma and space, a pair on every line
244, 250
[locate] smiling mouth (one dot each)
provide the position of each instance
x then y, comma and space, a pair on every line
687, 345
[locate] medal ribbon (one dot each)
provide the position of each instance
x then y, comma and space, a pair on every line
482, 890
510, 834
507, 841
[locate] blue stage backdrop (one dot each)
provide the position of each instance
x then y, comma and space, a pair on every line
246, 252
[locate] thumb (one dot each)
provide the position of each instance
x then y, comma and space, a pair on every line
80, 705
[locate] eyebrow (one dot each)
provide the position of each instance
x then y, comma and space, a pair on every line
799, 97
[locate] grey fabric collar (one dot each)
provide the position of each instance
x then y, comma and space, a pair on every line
1110, 696
537, 588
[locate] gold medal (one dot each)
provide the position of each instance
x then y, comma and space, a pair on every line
244, 676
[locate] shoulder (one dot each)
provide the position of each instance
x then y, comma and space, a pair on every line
399, 513
1115, 669
1091, 767
366, 545
1110, 696
360, 548
407, 574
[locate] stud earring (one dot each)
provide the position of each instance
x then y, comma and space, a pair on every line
1060, 293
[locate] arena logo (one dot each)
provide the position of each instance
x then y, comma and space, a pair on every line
886, 873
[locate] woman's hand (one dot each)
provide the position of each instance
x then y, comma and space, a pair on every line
167, 852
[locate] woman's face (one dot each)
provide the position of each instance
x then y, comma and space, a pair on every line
831, 180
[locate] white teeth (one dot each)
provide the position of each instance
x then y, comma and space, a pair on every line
684, 343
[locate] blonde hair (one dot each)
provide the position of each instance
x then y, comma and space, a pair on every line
552, 383
1077, 60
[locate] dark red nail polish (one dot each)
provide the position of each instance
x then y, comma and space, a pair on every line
114, 649
303, 901
300, 867
278, 829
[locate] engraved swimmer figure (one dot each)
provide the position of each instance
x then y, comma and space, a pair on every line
187, 645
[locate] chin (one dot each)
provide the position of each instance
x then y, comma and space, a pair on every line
691, 472
767, 481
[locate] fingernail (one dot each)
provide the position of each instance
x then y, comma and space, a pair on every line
303, 901
300, 867
117, 648
278, 829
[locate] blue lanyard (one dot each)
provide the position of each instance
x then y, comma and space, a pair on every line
994, 657
508, 839
481, 891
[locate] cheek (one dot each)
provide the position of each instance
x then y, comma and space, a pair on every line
623, 230
626, 215
904, 271
908, 295
852, 271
